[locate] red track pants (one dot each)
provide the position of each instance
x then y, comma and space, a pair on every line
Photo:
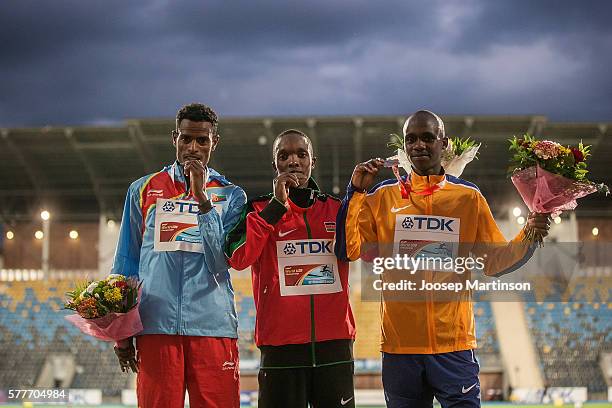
206, 366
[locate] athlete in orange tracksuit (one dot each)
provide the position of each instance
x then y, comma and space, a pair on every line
427, 342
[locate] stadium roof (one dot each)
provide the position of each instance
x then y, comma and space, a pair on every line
81, 172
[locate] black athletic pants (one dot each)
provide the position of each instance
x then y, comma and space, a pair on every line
286, 380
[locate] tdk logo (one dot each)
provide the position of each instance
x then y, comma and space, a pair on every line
308, 247
408, 223
183, 206
428, 223
289, 249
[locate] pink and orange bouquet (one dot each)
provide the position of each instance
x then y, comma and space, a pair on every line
550, 177
106, 309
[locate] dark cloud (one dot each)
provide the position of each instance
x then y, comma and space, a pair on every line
69, 62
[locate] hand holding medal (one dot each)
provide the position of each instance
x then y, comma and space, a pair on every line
365, 173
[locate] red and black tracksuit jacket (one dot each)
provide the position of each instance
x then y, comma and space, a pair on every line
303, 330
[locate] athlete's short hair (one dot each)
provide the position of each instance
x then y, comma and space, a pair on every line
291, 132
198, 112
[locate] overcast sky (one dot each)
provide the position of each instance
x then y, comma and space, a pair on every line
98, 62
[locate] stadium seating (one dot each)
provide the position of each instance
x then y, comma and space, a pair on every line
486, 335
32, 327
245, 308
569, 338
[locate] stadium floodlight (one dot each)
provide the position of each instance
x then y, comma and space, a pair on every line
74, 234
557, 220
262, 140
45, 235
595, 231
516, 211
39, 235
520, 220
110, 224
10, 235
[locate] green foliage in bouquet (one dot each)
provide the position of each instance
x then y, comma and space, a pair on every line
114, 294
566, 161
460, 145
457, 146
396, 142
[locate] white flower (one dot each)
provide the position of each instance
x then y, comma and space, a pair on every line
114, 277
404, 161
456, 164
91, 287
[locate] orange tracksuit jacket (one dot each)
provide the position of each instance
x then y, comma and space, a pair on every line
427, 326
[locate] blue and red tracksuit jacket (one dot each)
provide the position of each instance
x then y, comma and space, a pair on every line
184, 293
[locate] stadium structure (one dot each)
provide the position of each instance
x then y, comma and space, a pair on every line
531, 349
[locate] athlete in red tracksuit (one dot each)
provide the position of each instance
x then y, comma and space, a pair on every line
304, 323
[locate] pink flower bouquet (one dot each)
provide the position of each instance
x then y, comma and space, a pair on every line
106, 309
550, 177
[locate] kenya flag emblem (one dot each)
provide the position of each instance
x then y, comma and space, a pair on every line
330, 226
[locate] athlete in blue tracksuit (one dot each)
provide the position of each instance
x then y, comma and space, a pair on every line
172, 236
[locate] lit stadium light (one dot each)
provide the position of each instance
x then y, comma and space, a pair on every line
45, 215
595, 231
73, 234
262, 140
520, 220
557, 220
516, 211
10, 235
39, 235
336, 190
110, 224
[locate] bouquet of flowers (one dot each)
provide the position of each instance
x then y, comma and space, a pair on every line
550, 177
455, 157
106, 309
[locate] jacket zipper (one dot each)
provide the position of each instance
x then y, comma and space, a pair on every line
430, 307
179, 322
312, 308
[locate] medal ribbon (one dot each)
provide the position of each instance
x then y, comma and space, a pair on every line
406, 187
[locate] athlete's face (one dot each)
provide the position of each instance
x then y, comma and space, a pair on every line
194, 141
424, 144
293, 153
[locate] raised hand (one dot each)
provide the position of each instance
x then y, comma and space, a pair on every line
197, 173
365, 173
282, 184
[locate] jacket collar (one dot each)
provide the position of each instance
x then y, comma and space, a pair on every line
300, 199
177, 174
420, 183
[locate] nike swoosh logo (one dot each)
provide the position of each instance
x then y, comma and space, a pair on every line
394, 210
466, 390
344, 402
282, 234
